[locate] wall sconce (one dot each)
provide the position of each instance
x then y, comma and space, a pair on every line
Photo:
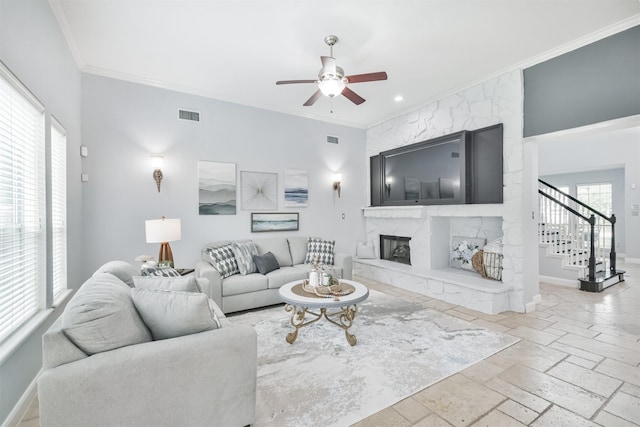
387, 186
337, 179
157, 162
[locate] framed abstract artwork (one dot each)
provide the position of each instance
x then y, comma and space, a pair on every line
274, 222
296, 188
259, 190
216, 188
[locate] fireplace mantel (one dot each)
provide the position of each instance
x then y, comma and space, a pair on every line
419, 212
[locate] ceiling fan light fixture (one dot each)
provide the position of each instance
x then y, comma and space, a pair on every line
331, 87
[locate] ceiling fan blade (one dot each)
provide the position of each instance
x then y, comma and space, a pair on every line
288, 82
328, 65
369, 77
352, 96
313, 99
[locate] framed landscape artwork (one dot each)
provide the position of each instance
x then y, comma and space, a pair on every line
216, 188
274, 222
259, 190
296, 188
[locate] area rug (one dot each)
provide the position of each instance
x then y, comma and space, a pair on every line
320, 380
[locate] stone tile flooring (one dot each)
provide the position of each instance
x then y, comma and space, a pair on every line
577, 364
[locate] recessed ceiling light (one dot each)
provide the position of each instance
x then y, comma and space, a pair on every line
398, 98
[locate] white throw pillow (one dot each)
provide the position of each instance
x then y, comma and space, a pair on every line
178, 284
365, 250
101, 316
170, 314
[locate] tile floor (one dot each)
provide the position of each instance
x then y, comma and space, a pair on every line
577, 364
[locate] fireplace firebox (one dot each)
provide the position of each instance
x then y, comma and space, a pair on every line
395, 248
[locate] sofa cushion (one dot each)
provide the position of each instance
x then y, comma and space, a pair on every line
298, 249
178, 284
121, 269
171, 314
244, 252
236, 285
278, 246
320, 249
284, 275
101, 316
223, 259
266, 263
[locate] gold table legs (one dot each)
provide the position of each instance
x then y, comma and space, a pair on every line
344, 317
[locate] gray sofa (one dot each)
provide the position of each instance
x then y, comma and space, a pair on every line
242, 292
198, 379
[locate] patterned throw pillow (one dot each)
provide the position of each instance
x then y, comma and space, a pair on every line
320, 249
223, 259
160, 272
244, 252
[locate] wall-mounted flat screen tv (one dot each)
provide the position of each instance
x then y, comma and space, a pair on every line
432, 172
464, 167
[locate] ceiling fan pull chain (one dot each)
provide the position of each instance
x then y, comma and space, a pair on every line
331, 105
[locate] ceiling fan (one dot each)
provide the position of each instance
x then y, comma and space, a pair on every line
332, 81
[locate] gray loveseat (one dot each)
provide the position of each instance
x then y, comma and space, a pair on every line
242, 292
103, 364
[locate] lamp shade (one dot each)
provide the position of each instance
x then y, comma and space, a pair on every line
163, 230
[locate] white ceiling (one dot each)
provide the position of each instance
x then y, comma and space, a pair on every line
236, 50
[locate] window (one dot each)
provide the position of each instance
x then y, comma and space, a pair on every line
600, 198
58, 208
22, 204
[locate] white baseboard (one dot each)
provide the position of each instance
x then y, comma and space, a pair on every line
632, 260
23, 404
531, 306
558, 281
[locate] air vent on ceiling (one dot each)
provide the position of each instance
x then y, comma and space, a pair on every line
332, 139
455, 155
193, 116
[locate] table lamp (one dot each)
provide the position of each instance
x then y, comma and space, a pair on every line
163, 231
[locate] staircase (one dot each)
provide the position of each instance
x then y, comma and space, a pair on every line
580, 236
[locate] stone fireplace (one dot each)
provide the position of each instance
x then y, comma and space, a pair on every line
429, 231
395, 248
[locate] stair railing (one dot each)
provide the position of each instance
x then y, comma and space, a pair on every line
572, 227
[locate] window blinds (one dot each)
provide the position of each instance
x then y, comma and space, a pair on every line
22, 204
59, 207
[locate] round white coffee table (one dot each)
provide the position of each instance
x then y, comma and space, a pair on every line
343, 308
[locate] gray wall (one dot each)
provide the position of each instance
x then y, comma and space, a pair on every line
595, 83
32, 46
124, 123
615, 177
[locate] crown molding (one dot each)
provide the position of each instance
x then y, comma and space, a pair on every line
545, 56
595, 128
103, 72
61, 17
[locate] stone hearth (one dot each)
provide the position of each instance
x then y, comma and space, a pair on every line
431, 229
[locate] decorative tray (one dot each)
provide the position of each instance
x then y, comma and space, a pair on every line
328, 291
